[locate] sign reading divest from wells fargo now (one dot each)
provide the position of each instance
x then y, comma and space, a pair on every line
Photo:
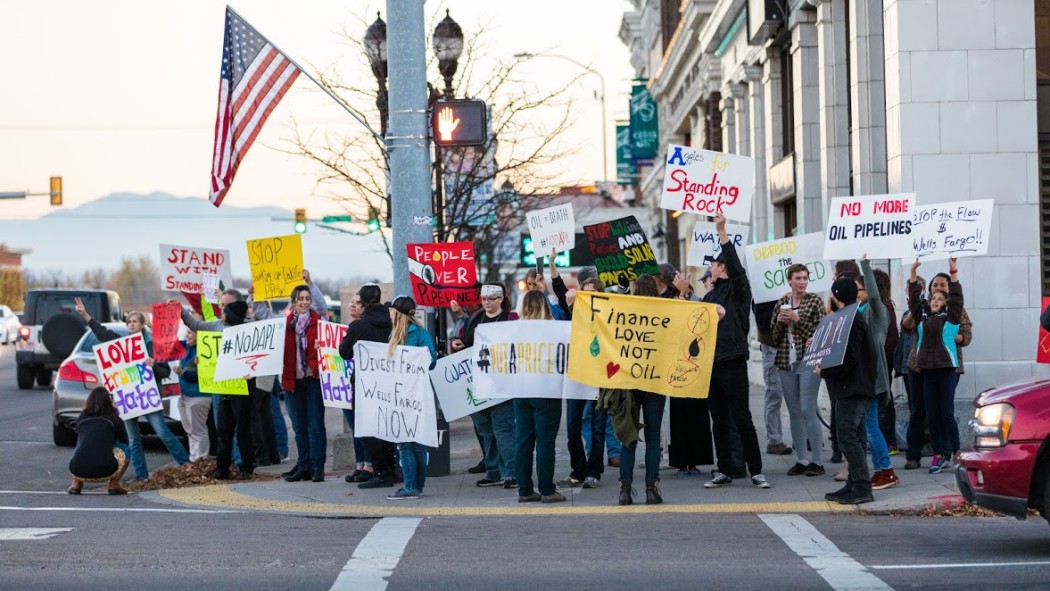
708, 183
621, 250
652, 344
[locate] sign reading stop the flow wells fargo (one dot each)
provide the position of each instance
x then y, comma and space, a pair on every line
877, 225
443, 272
708, 183
127, 376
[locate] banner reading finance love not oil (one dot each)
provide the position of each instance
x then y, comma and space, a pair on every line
652, 344
526, 359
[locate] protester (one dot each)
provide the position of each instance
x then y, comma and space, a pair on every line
363, 470
193, 405
844, 268
534, 281
764, 318
462, 316
904, 360
276, 422
887, 408
96, 458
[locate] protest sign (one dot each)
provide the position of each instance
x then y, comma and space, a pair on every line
621, 251
252, 349
277, 266
553, 228
706, 245
828, 347
394, 400
877, 225
708, 183
182, 267
208, 344
768, 262
1042, 353
336, 373
210, 287
122, 365
443, 272
526, 359
166, 319
957, 229
652, 344
453, 382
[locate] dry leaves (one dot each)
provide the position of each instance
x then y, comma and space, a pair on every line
192, 474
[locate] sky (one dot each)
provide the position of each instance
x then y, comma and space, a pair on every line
120, 96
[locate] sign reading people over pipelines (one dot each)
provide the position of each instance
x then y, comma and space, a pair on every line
706, 245
443, 272
877, 225
277, 266
453, 382
553, 228
336, 373
652, 344
252, 349
945, 230
526, 359
182, 267
621, 251
208, 344
122, 364
394, 401
708, 183
166, 318
828, 346
768, 262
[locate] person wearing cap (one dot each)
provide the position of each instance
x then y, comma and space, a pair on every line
851, 386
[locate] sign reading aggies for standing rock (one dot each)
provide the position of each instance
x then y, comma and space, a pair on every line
182, 267
553, 228
708, 183
453, 382
208, 345
527, 359
877, 225
166, 318
621, 251
652, 344
706, 245
393, 395
122, 363
828, 347
443, 272
337, 389
958, 229
768, 262
252, 349
277, 266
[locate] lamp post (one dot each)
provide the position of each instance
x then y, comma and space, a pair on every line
375, 50
447, 42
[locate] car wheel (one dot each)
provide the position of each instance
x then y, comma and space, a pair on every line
43, 377
24, 373
61, 332
64, 437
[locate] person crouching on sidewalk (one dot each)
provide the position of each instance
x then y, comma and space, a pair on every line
96, 457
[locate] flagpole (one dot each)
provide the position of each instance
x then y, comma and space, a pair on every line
346, 107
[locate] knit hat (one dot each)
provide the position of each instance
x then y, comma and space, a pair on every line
589, 275
845, 291
235, 313
403, 304
370, 294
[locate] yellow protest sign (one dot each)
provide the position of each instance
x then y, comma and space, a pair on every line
652, 344
277, 265
207, 355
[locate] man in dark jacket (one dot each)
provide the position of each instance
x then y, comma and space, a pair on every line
851, 386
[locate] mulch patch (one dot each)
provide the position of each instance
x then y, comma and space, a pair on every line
192, 474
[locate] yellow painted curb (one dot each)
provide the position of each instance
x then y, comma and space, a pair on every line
221, 496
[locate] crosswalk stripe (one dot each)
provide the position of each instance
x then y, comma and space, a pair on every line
377, 555
8, 534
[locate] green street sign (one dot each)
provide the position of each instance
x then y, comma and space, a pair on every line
328, 219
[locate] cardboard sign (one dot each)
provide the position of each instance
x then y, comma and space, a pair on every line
945, 230
621, 251
652, 344
252, 349
706, 245
182, 267
210, 284
553, 228
394, 401
443, 272
1042, 352
277, 266
768, 262
122, 364
166, 319
453, 383
877, 225
828, 347
208, 344
707, 183
526, 359
336, 373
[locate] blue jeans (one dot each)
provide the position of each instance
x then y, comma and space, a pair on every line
582, 463
612, 444
939, 399
306, 409
537, 425
652, 409
138, 457
215, 398
880, 452
413, 465
280, 428
496, 427
360, 454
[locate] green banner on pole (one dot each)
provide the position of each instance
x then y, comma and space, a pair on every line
645, 135
626, 172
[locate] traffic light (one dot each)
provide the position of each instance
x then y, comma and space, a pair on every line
373, 220
459, 122
56, 190
300, 221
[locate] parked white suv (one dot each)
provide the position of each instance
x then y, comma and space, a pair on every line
9, 325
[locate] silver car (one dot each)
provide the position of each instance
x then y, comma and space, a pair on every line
9, 325
78, 375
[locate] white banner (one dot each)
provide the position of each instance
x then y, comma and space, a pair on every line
552, 228
768, 262
454, 385
956, 229
706, 182
525, 359
394, 399
251, 349
182, 267
336, 373
210, 283
122, 365
706, 246
877, 225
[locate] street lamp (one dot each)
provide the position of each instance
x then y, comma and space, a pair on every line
375, 50
448, 46
525, 55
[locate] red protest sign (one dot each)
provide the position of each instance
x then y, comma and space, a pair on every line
1042, 351
166, 317
443, 272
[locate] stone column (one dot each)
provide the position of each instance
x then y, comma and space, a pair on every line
743, 119
868, 89
728, 124
762, 207
834, 112
805, 61
774, 130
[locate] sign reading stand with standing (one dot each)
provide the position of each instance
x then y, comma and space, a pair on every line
182, 267
393, 395
708, 183
122, 363
877, 225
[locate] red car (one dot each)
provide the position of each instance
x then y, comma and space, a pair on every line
1008, 469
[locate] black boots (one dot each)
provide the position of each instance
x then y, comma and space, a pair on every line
626, 494
652, 493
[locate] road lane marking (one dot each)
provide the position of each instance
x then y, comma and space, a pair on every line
960, 565
377, 555
33, 492
833, 565
118, 510
8, 534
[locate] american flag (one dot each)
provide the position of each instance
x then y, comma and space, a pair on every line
255, 75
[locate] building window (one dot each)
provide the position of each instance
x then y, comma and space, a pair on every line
787, 94
790, 208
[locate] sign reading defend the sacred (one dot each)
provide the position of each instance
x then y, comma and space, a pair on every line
208, 345
621, 251
276, 265
393, 398
182, 267
706, 245
453, 382
958, 229
877, 225
252, 349
336, 373
122, 364
526, 359
708, 183
652, 344
553, 228
828, 347
443, 272
768, 262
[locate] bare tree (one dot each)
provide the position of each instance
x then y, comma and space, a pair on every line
138, 283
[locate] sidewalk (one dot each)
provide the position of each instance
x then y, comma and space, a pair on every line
457, 494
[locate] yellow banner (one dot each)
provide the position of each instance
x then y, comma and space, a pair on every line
652, 344
277, 266
207, 355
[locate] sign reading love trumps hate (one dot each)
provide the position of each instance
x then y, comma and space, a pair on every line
182, 267
652, 344
336, 373
443, 272
453, 382
526, 359
708, 183
394, 401
877, 225
768, 262
621, 250
706, 244
945, 230
122, 364
252, 349
553, 228
277, 265
208, 345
